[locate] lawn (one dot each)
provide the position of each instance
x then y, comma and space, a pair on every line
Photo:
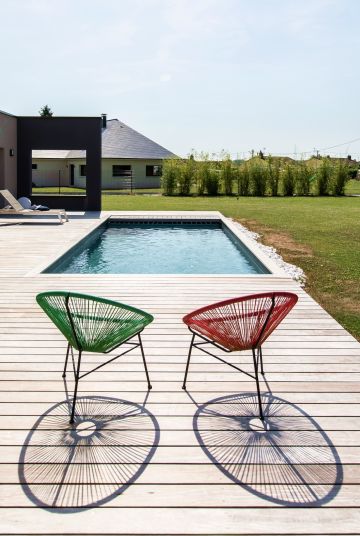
353, 187
322, 235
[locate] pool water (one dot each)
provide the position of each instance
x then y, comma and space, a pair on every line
160, 248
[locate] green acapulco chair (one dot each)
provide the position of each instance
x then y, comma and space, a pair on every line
92, 324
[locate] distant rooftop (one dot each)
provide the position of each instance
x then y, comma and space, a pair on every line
118, 141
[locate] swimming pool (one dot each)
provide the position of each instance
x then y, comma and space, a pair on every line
160, 247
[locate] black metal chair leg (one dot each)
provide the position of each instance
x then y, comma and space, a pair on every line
144, 361
66, 360
261, 361
76, 388
261, 415
188, 361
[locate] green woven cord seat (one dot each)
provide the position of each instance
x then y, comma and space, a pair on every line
99, 325
92, 324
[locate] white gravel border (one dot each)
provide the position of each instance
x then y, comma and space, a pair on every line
293, 271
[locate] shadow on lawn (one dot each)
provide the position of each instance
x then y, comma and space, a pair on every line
66, 468
289, 460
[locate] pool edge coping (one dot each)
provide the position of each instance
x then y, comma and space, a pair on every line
251, 245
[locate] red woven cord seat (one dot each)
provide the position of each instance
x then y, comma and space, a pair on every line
239, 324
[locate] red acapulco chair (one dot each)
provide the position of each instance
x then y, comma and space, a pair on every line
239, 324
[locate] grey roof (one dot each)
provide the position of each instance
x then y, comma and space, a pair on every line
7, 113
118, 141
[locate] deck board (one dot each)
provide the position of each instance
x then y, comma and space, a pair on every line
221, 480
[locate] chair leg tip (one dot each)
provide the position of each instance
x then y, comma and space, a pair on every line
184, 387
149, 387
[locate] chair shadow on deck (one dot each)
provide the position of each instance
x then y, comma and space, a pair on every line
288, 460
67, 469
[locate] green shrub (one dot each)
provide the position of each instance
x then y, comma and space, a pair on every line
303, 178
273, 175
227, 175
257, 179
213, 181
187, 177
203, 171
353, 172
170, 175
323, 177
339, 178
243, 179
288, 180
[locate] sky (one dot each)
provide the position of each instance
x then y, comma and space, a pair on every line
281, 76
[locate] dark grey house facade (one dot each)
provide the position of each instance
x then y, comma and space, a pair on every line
19, 136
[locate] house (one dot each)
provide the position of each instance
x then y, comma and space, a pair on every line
127, 157
316, 161
282, 159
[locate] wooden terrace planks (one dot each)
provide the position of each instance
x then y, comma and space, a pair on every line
198, 464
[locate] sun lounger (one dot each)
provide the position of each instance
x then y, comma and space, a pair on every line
17, 210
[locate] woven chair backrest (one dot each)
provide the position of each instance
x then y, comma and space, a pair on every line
90, 323
242, 323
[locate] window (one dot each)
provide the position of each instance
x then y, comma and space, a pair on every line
153, 171
33, 166
121, 171
83, 170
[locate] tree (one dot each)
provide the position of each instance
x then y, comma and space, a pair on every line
45, 111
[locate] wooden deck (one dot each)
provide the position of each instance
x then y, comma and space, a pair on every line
171, 462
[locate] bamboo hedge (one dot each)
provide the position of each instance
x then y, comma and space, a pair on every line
270, 176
